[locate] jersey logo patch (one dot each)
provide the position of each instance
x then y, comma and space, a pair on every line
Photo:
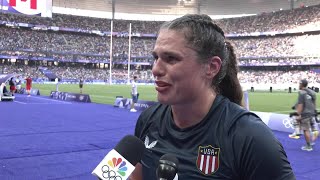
151, 145
208, 159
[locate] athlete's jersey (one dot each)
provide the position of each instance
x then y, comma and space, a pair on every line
18, 81
134, 88
229, 143
29, 82
81, 82
307, 97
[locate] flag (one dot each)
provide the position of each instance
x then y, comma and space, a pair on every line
33, 3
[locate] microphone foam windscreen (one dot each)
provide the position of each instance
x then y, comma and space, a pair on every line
131, 148
169, 158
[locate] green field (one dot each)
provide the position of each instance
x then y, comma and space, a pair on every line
280, 102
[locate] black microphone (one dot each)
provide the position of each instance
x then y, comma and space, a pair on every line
168, 167
120, 162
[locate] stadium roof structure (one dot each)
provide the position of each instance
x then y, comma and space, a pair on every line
179, 7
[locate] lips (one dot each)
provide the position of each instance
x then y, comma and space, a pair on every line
162, 86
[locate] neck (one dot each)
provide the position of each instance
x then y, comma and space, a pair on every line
186, 115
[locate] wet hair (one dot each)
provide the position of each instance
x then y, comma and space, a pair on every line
208, 40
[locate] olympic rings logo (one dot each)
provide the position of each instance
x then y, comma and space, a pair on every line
287, 122
109, 174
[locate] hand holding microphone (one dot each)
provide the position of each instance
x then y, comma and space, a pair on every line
168, 167
120, 162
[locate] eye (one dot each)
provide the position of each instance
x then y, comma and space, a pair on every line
171, 59
155, 57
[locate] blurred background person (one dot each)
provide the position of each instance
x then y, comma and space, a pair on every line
28, 85
134, 93
81, 81
12, 84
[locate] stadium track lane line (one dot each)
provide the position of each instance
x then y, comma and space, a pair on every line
19, 102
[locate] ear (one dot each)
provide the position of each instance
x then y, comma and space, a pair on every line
213, 67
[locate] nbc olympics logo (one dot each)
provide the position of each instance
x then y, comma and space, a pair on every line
114, 164
122, 168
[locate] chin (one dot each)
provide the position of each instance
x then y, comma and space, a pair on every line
164, 100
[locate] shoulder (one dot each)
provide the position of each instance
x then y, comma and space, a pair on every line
242, 122
243, 127
149, 116
234, 119
155, 110
234, 114
253, 140
310, 91
249, 124
302, 92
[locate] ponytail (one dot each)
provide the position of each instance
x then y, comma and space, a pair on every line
230, 86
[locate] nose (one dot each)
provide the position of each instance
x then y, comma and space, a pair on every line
158, 69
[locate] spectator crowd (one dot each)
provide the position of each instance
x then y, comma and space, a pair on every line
62, 46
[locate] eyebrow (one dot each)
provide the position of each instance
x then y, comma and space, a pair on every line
167, 54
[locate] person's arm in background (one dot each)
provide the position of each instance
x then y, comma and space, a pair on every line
294, 106
314, 100
299, 107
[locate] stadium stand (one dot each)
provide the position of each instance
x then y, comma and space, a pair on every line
277, 41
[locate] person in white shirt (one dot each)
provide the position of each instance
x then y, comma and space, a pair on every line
56, 81
2, 86
134, 93
18, 83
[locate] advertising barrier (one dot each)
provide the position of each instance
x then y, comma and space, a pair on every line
277, 122
34, 92
67, 96
141, 105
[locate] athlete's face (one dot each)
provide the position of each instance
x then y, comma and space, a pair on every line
178, 74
